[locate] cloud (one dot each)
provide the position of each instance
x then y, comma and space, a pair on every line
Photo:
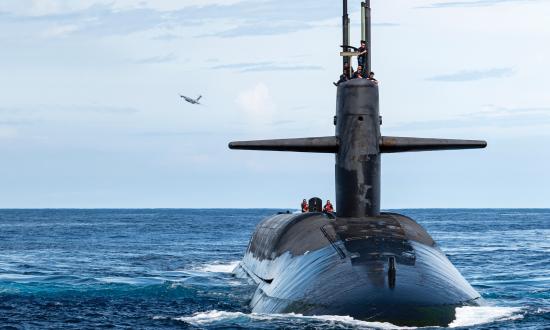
284, 122
104, 20
40, 109
474, 3
171, 134
242, 65
386, 24
157, 59
261, 28
266, 66
473, 75
15, 122
167, 37
13, 110
38, 8
257, 103
275, 67
491, 116
114, 110
60, 31
111, 17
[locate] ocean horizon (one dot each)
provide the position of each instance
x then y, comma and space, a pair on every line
261, 208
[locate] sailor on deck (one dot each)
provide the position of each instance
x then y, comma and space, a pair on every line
359, 73
362, 56
305, 206
328, 208
371, 78
345, 76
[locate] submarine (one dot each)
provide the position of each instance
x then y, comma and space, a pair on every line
358, 261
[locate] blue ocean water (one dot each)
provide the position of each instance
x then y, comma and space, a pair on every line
171, 269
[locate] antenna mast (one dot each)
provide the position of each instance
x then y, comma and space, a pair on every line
366, 33
345, 34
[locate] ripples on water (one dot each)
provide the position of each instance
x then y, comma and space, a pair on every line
77, 269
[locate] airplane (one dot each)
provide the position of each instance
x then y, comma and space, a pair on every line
190, 100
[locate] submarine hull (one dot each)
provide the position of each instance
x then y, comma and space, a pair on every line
384, 268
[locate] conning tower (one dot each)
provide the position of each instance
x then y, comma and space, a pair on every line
358, 143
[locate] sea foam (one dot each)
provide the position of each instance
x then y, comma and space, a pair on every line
465, 316
214, 317
470, 316
218, 267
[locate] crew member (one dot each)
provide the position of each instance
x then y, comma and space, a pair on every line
305, 206
343, 77
348, 69
328, 208
371, 78
359, 73
362, 56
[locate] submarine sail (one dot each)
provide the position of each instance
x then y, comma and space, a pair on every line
360, 262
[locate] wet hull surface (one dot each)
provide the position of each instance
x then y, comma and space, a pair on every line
384, 268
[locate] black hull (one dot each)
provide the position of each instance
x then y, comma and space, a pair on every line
315, 264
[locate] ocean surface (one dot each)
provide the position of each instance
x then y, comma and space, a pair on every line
171, 269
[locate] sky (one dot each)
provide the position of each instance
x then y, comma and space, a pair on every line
90, 115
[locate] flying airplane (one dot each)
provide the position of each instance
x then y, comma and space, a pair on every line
190, 100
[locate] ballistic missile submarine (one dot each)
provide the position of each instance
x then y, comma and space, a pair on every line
359, 261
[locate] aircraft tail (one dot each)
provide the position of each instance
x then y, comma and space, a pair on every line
198, 98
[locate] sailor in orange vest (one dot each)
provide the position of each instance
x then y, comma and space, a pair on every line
305, 206
328, 208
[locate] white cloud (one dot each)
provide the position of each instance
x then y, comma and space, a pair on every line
42, 7
56, 7
59, 31
257, 103
171, 4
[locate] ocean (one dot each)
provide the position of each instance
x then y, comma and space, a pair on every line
171, 269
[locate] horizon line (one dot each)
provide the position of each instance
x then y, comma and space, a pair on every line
259, 208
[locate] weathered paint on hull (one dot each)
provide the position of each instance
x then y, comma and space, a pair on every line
298, 269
